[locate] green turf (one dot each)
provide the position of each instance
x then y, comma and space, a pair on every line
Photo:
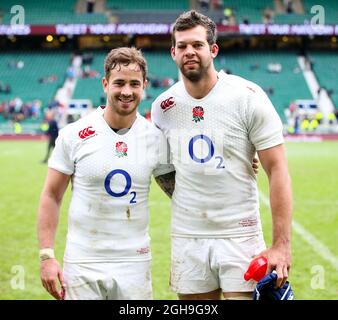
313, 168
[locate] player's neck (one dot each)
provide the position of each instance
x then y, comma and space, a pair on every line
200, 89
117, 121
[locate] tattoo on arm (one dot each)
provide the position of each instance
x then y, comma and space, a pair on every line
167, 183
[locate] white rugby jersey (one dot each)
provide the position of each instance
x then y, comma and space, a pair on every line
213, 141
111, 176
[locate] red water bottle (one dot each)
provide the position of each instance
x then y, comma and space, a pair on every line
257, 269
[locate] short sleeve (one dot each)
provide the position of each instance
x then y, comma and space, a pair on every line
164, 164
155, 114
61, 158
265, 126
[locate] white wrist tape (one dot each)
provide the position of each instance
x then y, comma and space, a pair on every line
46, 253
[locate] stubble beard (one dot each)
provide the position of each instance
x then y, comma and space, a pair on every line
194, 75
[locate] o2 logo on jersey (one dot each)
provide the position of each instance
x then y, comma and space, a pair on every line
126, 189
211, 151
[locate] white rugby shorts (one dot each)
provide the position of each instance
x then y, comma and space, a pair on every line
108, 281
204, 265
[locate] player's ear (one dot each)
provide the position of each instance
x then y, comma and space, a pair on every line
214, 50
104, 84
145, 83
172, 51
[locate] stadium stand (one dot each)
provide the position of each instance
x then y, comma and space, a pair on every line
162, 72
147, 16
33, 78
148, 5
50, 67
252, 11
40, 75
147, 11
89, 87
280, 86
291, 18
130, 11
325, 67
41, 12
330, 7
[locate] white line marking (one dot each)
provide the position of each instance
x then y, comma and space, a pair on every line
319, 247
314, 243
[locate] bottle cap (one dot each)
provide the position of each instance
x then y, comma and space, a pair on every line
257, 269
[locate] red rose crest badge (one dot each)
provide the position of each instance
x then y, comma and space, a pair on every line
197, 114
121, 149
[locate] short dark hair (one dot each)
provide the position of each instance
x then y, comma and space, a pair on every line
124, 56
192, 19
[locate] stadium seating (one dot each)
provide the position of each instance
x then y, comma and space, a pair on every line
37, 65
148, 5
288, 85
50, 12
330, 7
325, 66
129, 11
292, 18
247, 9
147, 11
91, 88
253, 66
253, 10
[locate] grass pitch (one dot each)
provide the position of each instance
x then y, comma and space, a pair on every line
314, 172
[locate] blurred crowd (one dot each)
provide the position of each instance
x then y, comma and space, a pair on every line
307, 121
17, 110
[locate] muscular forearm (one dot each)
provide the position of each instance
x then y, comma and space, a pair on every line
49, 207
48, 218
281, 206
167, 183
279, 254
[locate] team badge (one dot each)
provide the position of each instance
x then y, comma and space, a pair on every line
197, 114
121, 149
